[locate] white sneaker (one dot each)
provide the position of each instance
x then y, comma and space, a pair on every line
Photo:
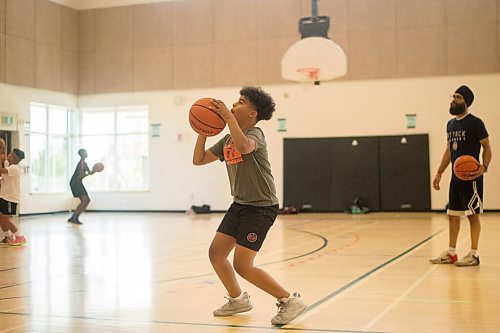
444, 258
468, 260
234, 305
288, 309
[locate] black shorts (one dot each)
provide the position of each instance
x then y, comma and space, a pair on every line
7, 207
248, 224
78, 189
465, 197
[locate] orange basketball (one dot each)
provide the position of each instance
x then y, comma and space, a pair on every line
98, 167
203, 120
464, 165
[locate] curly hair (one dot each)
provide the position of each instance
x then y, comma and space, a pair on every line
261, 100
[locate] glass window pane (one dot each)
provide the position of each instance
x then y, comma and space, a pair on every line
132, 156
95, 123
116, 144
38, 162
132, 121
38, 118
100, 149
58, 120
58, 164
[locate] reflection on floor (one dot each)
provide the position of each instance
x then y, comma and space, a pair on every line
149, 272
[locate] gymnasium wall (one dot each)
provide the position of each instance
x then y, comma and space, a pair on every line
194, 44
222, 43
15, 99
39, 45
404, 56
349, 108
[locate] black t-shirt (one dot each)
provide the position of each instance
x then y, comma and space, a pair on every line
81, 169
464, 136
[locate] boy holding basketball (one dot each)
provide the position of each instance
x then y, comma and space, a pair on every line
466, 135
10, 192
255, 206
76, 184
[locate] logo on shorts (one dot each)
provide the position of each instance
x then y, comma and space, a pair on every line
252, 237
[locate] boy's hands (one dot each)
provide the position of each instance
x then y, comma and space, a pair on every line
221, 108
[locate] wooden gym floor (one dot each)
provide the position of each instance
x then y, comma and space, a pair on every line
149, 272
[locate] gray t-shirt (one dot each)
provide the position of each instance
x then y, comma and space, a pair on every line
250, 176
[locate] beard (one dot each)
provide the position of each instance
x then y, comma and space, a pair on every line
456, 109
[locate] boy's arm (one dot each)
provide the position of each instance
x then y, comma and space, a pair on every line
201, 155
244, 144
87, 173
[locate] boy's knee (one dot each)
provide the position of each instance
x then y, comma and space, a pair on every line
214, 255
243, 269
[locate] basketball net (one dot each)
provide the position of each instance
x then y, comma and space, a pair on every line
311, 72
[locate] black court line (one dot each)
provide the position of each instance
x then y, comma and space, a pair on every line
370, 272
31, 281
181, 323
325, 243
9, 269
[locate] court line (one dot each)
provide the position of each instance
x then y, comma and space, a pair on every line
325, 243
426, 300
404, 294
284, 327
322, 246
293, 327
180, 323
370, 272
8, 286
9, 269
11, 298
398, 300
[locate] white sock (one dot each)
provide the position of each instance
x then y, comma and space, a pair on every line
7, 233
473, 252
237, 297
18, 234
452, 251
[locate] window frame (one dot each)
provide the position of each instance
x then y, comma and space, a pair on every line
115, 137
68, 136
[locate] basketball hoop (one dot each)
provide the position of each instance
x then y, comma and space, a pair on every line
311, 72
313, 59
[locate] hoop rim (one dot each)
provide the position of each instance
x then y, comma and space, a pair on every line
313, 72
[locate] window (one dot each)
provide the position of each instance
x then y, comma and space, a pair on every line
118, 138
49, 147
